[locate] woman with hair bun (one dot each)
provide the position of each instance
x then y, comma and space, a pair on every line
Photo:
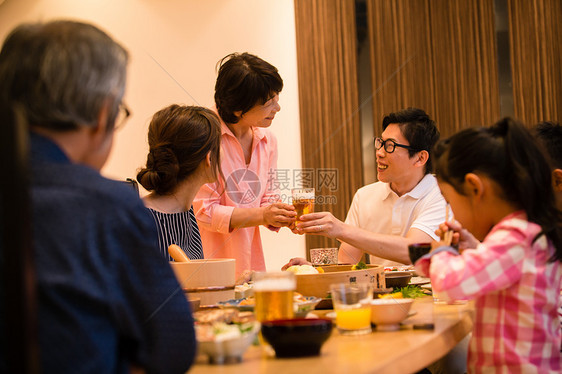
184, 154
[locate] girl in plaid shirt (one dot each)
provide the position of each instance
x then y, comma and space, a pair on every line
498, 184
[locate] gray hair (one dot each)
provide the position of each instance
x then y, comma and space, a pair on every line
62, 73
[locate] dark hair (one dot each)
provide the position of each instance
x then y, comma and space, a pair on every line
550, 136
62, 73
508, 154
243, 81
418, 129
179, 137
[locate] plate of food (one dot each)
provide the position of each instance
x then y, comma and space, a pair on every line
242, 304
242, 291
418, 281
224, 334
399, 270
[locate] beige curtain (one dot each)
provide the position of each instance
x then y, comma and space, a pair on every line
328, 97
438, 55
536, 59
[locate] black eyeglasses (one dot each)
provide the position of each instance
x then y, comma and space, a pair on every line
390, 145
122, 116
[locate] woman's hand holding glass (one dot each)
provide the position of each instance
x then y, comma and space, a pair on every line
279, 214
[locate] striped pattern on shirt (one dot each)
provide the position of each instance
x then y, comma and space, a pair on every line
180, 229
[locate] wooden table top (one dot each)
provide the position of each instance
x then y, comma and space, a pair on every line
404, 351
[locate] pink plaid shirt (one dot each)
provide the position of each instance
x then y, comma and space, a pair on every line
247, 186
516, 292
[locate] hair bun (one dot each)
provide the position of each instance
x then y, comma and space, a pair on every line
161, 172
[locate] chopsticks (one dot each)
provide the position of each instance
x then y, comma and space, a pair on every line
448, 235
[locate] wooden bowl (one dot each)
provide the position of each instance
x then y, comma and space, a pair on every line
319, 284
194, 302
211, 280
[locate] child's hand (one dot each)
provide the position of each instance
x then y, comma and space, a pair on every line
462, 238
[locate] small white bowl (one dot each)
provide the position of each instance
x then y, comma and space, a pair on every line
387, 314
228, 350
302, 308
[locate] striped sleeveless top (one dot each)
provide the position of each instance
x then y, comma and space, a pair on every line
180, 229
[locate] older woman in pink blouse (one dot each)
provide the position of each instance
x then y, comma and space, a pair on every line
230, 212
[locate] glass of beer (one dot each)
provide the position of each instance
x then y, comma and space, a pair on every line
303, 201
273, 292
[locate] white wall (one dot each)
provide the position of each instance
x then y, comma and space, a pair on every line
174, 46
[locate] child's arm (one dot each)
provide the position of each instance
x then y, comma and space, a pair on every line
495, 264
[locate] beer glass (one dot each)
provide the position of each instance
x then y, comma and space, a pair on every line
273, 292
303, 201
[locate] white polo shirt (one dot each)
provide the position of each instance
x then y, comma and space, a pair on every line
378, 209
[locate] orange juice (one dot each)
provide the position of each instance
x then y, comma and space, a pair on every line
353, 319
352, 302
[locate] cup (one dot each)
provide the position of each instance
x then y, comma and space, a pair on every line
442, 298
273, 292
303, 201
438, 298
352, 303
417, 250
324, 256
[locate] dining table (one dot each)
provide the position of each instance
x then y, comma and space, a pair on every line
429, 333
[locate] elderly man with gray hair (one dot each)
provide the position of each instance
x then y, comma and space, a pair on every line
107, 300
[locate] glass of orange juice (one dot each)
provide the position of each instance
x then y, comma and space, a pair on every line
352, 303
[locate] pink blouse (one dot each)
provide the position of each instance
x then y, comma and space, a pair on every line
247, 186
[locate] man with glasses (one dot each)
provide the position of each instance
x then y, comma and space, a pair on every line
107, 300
405, 206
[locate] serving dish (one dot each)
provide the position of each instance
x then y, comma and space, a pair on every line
399, 273
396, 279
400, 269
210, 280
228, 348
418, 281
319, 284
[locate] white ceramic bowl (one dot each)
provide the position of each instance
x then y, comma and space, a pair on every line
387, 314
302, 308
228, 350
